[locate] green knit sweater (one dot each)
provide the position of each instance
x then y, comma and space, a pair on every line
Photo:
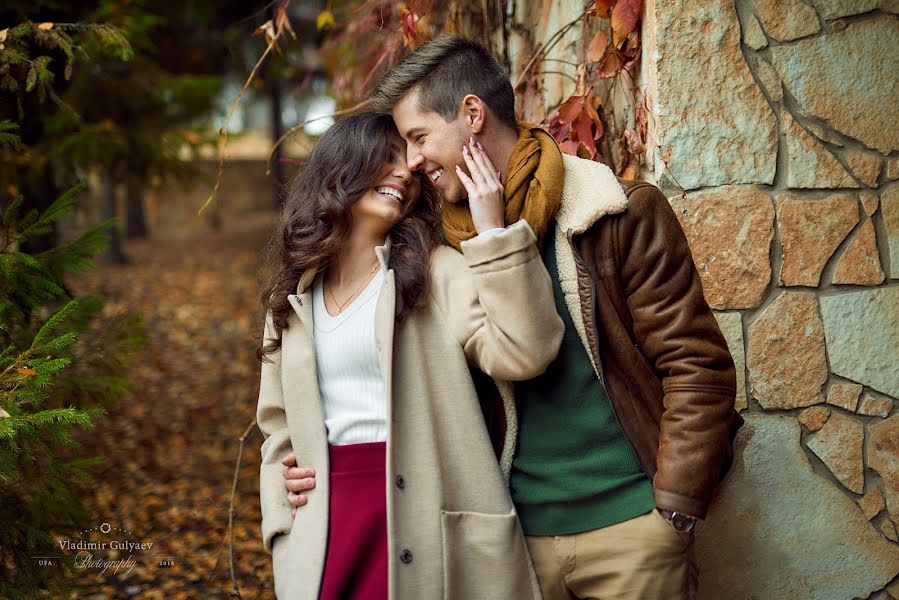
574, 470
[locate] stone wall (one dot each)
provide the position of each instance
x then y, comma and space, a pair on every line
783, 117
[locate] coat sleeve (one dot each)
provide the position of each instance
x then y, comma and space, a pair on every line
272, 422
677, 332
498, 300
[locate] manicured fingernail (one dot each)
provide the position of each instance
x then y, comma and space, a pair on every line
480, 147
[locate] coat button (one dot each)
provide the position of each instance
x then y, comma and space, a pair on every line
400, 481
406, 556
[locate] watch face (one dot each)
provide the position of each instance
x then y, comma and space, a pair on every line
682, 523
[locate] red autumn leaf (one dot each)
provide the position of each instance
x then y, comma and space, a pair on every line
569, 147
409, 19
624, 19
630, 57
600, 8
585, 133
611, 66
27, 371
597, 47
634, 143
558, 129
570, 109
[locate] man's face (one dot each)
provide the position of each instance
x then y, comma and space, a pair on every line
433, 144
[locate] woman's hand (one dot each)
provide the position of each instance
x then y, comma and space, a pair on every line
485, 191
297, 480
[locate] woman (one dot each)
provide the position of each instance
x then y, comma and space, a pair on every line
371, 326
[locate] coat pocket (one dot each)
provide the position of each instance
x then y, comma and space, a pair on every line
485, 557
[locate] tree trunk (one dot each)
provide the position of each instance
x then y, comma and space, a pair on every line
108, 210
135, 221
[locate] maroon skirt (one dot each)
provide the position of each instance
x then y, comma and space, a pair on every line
356, 563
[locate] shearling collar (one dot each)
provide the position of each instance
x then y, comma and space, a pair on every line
589, 192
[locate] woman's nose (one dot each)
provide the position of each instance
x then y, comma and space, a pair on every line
401, 171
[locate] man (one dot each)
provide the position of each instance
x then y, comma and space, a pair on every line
622, 441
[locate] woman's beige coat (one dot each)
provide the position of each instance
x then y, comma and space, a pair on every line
452, 529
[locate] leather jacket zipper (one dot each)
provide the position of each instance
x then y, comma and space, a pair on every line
580, 262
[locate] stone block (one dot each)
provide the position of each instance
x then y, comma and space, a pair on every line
893, 169
778, 530
873, 406
753, 36
882, 455
872, 503
786, 357
862, 333
810, 164
888, 529
870, 202
860, 262
730, 231
731, 325
725, 137
839, 78
839, 445
769, 79
889, 206
833, 9
814, 418
786, 20
845, 395
810, 232
866, 166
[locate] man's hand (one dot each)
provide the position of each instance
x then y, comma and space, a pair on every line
485, 191
297, 480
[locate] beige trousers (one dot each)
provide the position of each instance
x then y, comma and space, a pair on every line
640, 559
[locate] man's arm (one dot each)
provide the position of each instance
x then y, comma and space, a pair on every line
676, 330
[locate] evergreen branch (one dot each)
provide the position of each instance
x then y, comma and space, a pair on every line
52, 323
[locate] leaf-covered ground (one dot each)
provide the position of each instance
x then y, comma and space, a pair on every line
172, 443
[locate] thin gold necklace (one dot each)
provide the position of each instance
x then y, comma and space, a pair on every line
340, 306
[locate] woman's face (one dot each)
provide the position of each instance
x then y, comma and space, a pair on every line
393, 195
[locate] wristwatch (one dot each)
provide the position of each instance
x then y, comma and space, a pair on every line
682, 523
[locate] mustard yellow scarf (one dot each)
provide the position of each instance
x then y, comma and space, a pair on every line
532, 189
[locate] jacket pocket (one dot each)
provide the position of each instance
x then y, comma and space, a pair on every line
485, 557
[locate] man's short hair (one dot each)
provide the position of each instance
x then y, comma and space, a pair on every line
443, 71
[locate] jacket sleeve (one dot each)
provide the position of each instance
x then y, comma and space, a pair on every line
677, 332
272, 421
498, 301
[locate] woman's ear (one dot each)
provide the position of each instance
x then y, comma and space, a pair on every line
474, 113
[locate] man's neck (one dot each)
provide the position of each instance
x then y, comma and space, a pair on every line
499, 143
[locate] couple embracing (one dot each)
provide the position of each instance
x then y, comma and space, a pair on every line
488, 368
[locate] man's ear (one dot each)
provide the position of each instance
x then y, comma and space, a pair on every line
474, 112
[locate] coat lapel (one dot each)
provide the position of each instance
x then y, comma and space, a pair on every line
385, 320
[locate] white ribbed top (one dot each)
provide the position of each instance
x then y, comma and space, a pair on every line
349, 377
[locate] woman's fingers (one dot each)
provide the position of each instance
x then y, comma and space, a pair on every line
473, 168
485, 166
300, 485
297, 500
467, 183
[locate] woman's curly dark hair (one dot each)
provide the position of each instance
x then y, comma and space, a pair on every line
316, 221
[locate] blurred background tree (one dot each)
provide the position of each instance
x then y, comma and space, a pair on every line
125, 90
